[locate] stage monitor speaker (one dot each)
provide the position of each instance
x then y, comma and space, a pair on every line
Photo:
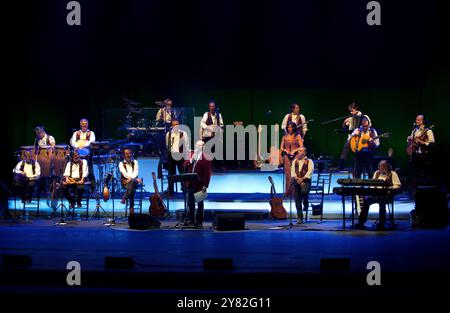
218, 264
16, 261
431, 207
143, 221
335, 264
119, 263
230, 221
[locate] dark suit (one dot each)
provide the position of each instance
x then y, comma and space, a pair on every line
202, 168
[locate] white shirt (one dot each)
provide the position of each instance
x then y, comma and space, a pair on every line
351, 121
207, 130
73, 140
294, 118
310, 171
175, 141
165, 115
28, 169
47, 138
396, 184
130, 171
376, 141
76, 170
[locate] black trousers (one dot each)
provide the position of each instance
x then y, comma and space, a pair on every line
24, 187
363, 162
421, 173
78, 188
130, 191
368, 201
173, 165
191, 206
301, 196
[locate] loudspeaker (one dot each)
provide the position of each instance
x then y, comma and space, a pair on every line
143, 221
121, 263
431, 207
335, 264
218, 264
14, 261
230, 221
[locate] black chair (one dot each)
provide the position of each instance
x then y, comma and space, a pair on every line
316, 199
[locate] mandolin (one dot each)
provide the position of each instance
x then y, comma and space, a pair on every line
157, 206
277, 209
358, 143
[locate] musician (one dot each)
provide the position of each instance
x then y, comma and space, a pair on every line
166, 114
364, 157
421, 140
392, 181
84, 137
201, 165
26, 174
43, 139
129, 171
75, 176
291, 143
211, 122
301, 172
177, 142
351, 123
81, 141
297, 118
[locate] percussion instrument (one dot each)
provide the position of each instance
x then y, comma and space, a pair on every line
60, 154
23, 149
82, 143
84, 153
44, 158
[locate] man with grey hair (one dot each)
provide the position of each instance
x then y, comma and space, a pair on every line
301, 172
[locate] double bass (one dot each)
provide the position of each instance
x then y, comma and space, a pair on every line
157, 206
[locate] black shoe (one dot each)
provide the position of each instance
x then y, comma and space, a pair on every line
380, 227
360, 226
188, 223
198, 224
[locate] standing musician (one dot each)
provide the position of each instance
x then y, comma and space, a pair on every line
201, 165
81, 141
297, 118
290, 146
364, 157
26, 173
75, 175
166, 114
177, 143
129, 171
42, 138
211, 122
351, 123
419, 143
301, 172
392, 181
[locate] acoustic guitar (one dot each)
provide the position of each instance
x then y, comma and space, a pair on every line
157, 206
358, 143
413, 143
277, 210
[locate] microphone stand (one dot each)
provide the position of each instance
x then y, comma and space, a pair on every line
335, 119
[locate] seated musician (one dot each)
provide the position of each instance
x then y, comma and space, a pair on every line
364, 157
75, 175
129, 171
297, 118
26, 173
201, 165
177, 141
290, 146
301, 171
42, 138
392, 180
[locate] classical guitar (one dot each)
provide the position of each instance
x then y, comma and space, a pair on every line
157, 206
277, 209
357, 143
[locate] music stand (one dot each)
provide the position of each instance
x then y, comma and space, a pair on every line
183, 178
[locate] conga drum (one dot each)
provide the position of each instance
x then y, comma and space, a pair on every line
60, 155
23, 149
44, 158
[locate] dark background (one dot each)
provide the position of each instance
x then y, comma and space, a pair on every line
250, 56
